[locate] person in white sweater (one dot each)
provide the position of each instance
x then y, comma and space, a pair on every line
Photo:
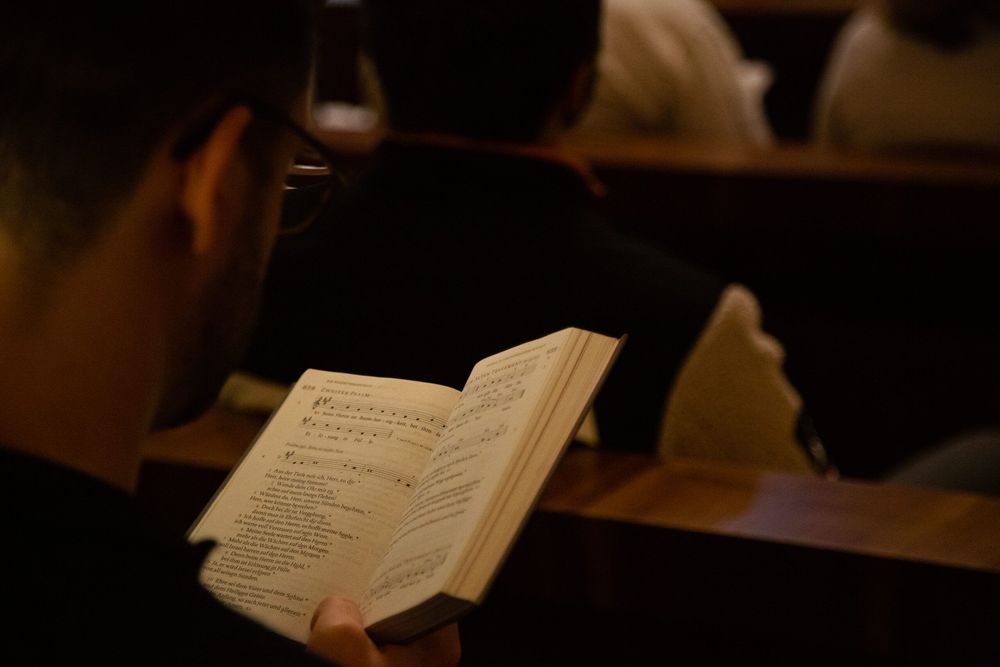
909, 75
673, 67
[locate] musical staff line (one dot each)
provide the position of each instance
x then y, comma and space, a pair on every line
313, 424
419, 569
490, 403
479, 385
376, 409
349, 465
483, 437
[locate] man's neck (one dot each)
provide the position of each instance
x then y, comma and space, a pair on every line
537, 151
74, 362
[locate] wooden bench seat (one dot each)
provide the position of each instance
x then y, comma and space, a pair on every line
631, 558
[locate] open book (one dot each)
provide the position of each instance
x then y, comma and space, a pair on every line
404, 496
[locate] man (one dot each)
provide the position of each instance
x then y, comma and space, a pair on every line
143, 152
472, 232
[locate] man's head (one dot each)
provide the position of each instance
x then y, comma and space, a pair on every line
497, 70
123, 120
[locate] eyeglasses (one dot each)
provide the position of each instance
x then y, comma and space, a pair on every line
311, 181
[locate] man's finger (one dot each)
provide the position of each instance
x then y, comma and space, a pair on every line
336, 610
338, 634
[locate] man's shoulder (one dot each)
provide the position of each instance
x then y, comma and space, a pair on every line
86, 565
650, 273
125, 603
559, 240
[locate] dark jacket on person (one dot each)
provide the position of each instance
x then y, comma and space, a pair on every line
440, 256
91, 579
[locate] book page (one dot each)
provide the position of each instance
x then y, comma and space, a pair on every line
588, 359
309, 511
484, 429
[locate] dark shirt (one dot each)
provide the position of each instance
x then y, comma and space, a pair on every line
438, 257
88, 579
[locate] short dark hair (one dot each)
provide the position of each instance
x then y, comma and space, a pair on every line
947, 24
485, 69
88, 90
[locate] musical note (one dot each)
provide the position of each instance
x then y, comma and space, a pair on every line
483, 437
419, 569
489, 403
348, 465
478, 384
375, 409
312, 424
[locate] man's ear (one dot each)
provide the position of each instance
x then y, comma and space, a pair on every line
208, 199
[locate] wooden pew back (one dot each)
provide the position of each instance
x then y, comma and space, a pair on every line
878, 275
633, 561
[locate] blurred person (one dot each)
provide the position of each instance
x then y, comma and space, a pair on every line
471, 232
921, 76
144, 149
673, 67
915, 74
968, 461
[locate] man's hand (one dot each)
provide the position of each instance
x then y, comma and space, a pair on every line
338, 634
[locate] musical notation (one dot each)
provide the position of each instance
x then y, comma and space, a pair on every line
485, 383
483, 437
490, 403
347, 465
421, 568
375, 409
359, 430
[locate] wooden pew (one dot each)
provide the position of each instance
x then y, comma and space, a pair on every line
688, 561
877, 273
630, 559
